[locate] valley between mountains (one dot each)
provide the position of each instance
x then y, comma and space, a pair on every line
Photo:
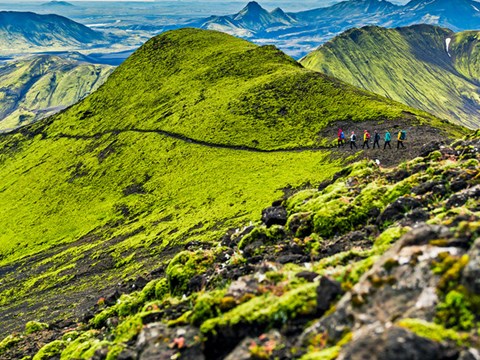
193, 207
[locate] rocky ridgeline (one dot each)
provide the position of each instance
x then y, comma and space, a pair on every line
373, 264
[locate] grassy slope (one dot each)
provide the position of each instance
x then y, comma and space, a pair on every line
133, 193
410, 65
36, 87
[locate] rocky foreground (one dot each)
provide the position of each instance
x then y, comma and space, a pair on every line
373, 264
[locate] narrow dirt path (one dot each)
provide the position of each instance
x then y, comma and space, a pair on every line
190, 140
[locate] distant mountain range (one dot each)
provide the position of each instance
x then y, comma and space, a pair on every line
57, 4
33, 88
424, 66
28, 31
298, 33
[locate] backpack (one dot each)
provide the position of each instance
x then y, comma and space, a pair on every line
354, 137
367, 135
403, 135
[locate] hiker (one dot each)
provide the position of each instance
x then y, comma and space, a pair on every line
376, 139
341, 138
401, 137
388, 138
353, 140
366, 139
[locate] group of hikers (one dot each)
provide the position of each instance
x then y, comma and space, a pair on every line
401, 137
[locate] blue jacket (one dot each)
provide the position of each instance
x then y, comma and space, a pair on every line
388, 137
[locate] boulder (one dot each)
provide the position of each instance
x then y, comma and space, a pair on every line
397, 209
309, 276
430, 147
274, 215
327, 292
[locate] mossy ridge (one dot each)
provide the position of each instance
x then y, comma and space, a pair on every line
279, 103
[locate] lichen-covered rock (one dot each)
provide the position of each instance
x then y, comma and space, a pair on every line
471, 273
401, 284
159, 342
461, 198
266, 346
395, 343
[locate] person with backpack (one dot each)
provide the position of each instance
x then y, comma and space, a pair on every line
366, 139
353, 140
401, 137
388, 138
341, 138
376, 139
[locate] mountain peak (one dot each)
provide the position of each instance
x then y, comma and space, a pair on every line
253, 13
254, 8
58, 3
252, 5
278, 11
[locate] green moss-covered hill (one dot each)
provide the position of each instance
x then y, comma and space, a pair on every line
424, 66
193, 135
373, 263
39, 86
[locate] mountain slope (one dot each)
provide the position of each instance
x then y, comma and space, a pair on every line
411, 65
193, 134
42, 85
26, 30
371, 264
